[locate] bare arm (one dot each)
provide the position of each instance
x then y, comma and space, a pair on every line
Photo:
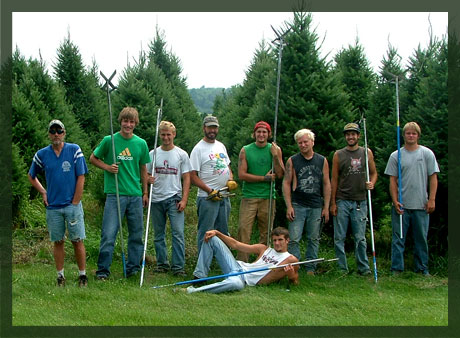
195, 180
78, 189
185, 191
287, 182
326, 191
144, 182
372, 171
334, 183
394, 194
257, 249
39, 187
101, 165
278, 164
290, 271
433, 182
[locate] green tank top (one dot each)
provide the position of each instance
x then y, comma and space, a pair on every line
259, 162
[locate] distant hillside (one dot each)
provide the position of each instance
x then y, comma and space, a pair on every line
204, 98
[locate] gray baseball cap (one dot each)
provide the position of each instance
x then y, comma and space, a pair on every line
57, 123
210, 121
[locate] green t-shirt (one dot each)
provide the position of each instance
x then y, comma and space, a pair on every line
131, 154
259, 162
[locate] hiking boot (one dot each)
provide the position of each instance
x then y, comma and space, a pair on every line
61, 281
82, 281
180, 273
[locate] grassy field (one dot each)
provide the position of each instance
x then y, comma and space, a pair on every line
328, 299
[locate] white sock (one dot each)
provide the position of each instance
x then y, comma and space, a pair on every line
82, 272
60, 273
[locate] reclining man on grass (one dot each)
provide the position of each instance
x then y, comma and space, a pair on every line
217, 245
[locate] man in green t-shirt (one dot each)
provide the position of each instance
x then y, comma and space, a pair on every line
132, 155
255, 170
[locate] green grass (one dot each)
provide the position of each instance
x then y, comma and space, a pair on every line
328, 299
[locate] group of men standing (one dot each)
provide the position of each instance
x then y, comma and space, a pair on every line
309, 194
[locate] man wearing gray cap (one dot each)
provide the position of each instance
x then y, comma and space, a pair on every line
65, 168
348, 197
211, 172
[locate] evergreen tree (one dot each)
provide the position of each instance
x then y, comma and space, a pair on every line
81, 88
311, 96
355, 73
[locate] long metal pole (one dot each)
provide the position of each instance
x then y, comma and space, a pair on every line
318, 260
399, 157
159, 114
272, 182
369, 201
109, 84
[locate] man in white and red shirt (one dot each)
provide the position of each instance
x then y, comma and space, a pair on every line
217, 245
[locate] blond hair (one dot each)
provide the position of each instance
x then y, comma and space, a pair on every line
166, 125
414, 126
129, 113
303, 132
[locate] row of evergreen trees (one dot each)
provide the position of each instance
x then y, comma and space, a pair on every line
314, 93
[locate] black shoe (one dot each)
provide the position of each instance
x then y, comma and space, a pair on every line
198, 284
180, 273
160, 269
132, 274
82, 281
102, 277
61, 281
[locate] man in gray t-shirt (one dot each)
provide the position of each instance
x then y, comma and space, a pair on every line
419, 184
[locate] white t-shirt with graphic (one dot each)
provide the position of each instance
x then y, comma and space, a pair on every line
169, 167
211, 162
269, 258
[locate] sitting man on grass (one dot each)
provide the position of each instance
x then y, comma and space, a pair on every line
217, 245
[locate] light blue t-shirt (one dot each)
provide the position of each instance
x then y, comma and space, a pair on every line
416, 167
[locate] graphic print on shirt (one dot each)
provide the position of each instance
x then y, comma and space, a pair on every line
308, 176
66, 166
269, 259
220, 167
355, 167
125, 155
166, 169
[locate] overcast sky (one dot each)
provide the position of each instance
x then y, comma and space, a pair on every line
215, 49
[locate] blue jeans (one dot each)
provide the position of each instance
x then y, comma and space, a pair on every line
72, 217
131, 206
159, 210
310, 219
212, 215
228, 264
420, 221
348, 213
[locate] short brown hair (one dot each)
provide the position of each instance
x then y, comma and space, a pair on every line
129, 113
414, 126
280, 231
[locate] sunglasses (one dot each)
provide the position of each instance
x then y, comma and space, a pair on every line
54, 131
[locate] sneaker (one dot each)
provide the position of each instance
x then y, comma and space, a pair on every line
180, 273
160, 269
102, 277
132, 274
83, 281
365, 273
61, 281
